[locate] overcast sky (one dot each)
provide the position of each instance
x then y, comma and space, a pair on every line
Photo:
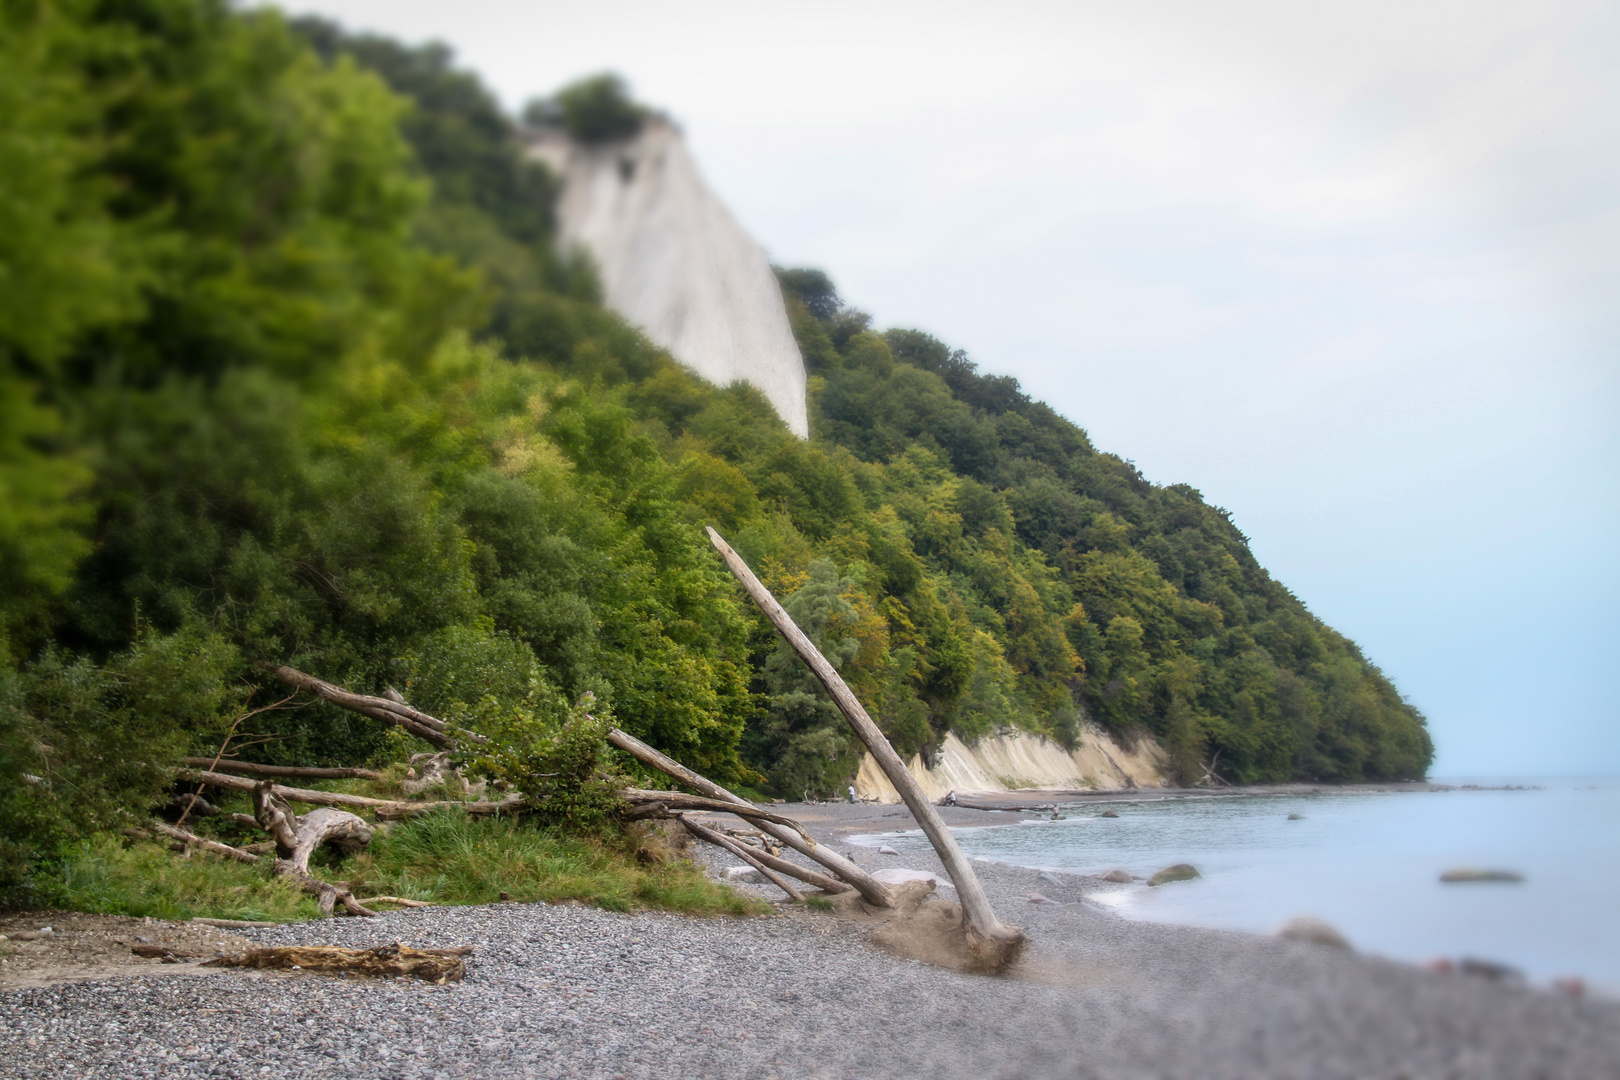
1352, 270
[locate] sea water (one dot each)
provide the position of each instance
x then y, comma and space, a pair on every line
1367, 862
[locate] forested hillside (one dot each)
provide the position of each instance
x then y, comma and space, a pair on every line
290, 371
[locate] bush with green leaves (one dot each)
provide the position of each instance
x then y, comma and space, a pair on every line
87, 747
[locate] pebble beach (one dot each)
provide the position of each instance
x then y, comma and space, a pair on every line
564, 991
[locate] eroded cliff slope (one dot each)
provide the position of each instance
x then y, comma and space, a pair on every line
675, 262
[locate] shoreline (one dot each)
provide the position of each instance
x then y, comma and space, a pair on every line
559, 991
1025, 798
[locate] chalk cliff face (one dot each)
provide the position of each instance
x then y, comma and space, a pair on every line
675, 262
1018, 761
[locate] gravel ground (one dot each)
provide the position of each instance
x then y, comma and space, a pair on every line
567, 991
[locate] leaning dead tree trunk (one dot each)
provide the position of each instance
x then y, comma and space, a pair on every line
415, 721
990, 940
874, 892
782, 866
297, 838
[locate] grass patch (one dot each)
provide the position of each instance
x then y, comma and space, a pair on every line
447, 857
452, 858
107, 878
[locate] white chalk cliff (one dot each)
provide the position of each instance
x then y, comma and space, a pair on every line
675, 262
1014, 761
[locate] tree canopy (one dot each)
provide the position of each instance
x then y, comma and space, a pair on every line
290, 371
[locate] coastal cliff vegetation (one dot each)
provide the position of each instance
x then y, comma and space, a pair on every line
291, 371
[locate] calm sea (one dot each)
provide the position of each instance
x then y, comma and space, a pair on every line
1369, 863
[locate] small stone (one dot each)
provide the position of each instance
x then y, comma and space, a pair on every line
1179, 872
1489, 969
1037, 898
1119, 877
887, 850
1314, 930
505, 895
1467, 874
742, 873
1049, 878
1296, 817
1108, 813
1571, 986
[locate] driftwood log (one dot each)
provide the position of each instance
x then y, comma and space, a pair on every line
680, 800
174, 832
992, 942
291, 772
387, 809
297, 838
388, 961
726, 843
874, 892
783, 866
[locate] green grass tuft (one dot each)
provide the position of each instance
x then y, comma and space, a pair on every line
105, 877
450, 857
446, 857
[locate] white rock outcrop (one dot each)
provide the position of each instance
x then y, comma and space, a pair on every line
675, 262
1019, 761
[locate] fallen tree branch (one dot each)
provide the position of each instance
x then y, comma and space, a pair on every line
399, 900
176, 833
250, 768
781, 865
232, 924
415, 721
297, 838
386, 809
388, 961
680, 800
646, 810
726, 843
185, 804
396, 810
994, 943
874, 892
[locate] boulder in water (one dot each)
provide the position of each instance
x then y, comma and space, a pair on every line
1179, 872
1296, 817
1468, 874
1108, 813
1311, 929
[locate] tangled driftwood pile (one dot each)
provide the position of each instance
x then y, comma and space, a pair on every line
984, 941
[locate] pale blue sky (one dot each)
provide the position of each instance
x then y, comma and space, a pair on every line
1353, 270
